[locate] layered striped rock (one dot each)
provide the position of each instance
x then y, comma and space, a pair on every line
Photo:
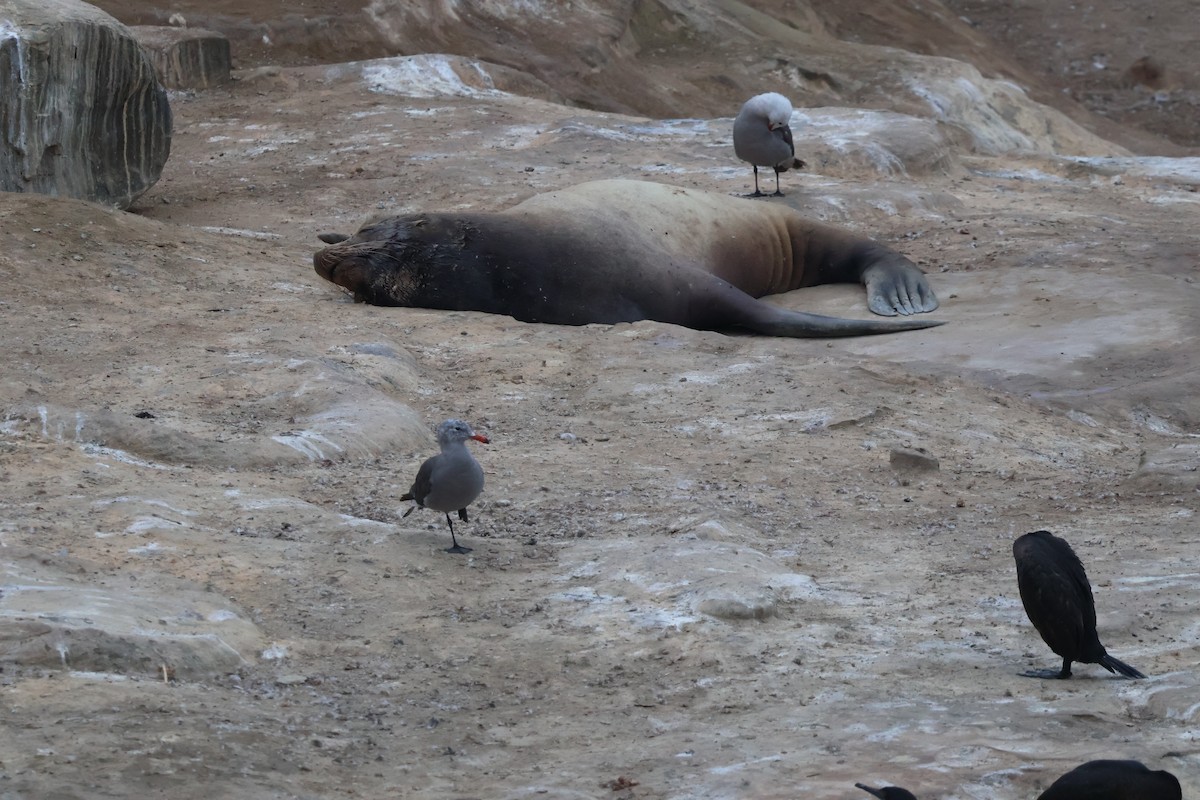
186, 58
85, 115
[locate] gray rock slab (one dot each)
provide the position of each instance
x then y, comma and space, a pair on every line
699, 573
160, 626
1168, 469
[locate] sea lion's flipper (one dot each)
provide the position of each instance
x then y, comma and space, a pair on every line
731, 307
897, 288
894, 284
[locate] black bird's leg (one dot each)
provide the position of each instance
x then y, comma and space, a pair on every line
1049, 674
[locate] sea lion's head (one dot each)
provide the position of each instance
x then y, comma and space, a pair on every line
380, 264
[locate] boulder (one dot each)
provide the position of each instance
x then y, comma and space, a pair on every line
85, 115
185, 58
907, 459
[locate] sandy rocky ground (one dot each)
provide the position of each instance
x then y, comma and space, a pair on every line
696, 573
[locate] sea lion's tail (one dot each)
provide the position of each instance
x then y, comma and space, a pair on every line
1117, 665
801, 324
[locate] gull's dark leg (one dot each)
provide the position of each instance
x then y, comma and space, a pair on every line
757, 192
455, 547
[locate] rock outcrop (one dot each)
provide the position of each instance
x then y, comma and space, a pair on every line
670, 58
186, 58
437, 75
84, 114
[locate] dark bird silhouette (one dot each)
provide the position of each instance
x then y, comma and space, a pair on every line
1114, 780
762, 136
451, 480
1058, 599
888, 792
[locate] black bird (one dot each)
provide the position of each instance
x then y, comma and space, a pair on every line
888, 792
1114, 780
1058, 599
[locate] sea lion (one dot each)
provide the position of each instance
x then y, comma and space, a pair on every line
622, 251
1109, 779
1058, 599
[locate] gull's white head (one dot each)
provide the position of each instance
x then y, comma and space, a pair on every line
771, 106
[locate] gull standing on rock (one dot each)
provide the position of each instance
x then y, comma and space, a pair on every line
761, 135
451, 480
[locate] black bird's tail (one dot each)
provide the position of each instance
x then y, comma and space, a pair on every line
1117, 665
